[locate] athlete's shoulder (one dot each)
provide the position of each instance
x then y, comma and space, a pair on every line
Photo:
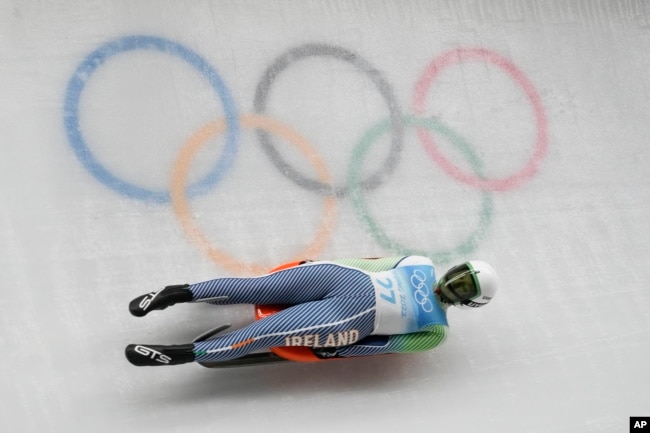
415, 261
370, 265
423, 340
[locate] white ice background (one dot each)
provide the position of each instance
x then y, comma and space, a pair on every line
565, 345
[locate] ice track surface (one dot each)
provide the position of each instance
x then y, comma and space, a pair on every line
157, 142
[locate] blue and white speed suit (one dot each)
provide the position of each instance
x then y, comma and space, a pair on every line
359, 306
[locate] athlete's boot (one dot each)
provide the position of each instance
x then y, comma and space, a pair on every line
160, 300
154, 355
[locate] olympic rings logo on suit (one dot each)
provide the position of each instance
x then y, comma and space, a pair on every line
355, 187
418, 281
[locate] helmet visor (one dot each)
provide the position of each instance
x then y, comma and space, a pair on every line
459, 284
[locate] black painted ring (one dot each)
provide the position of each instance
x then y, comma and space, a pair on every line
395, 116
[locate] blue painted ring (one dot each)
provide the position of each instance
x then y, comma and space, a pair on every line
141, 42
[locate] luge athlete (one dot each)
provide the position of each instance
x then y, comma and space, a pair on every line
339, 308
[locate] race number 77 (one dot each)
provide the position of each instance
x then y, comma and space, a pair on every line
388, 286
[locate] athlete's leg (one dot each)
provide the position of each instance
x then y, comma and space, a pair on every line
310, 324
308, 282
332, 321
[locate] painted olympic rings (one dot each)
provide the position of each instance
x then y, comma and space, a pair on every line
355, 187
181, 207
373, 134
386, 90
138, 42
462, 55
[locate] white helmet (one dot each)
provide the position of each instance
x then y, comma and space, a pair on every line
470, 285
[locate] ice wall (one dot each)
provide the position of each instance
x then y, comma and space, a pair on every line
156, 142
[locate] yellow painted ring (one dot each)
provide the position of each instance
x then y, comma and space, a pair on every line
182, 209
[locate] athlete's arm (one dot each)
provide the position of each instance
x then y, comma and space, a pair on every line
398, 343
